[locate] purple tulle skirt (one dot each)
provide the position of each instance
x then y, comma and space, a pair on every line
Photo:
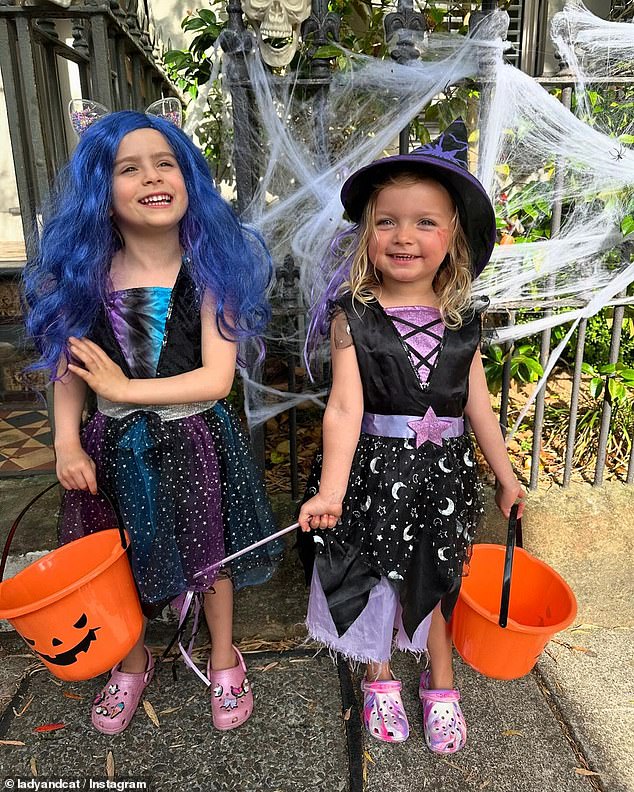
187, 491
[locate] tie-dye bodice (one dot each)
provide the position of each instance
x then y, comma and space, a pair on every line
138, 318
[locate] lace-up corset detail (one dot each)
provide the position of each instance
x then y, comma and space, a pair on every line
421, 329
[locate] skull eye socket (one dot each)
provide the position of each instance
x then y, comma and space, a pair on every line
81, 622
298, 7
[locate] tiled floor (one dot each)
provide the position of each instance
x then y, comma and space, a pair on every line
25, 442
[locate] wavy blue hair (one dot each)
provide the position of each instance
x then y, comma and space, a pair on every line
66, 281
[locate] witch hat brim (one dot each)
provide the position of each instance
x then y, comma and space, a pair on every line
445, 160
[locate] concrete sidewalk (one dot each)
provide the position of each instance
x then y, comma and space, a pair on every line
566, 726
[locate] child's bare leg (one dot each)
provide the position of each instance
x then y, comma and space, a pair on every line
378, 672
135, 662
439, 647
219, 616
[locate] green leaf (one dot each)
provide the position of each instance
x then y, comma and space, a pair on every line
327, 51
627, 139
531, 211
627, 374
596, 386
616, 389
172, 56
627, 225
208, 16
534, 367
205, 41
194, 23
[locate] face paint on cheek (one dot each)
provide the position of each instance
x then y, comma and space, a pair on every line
443, 237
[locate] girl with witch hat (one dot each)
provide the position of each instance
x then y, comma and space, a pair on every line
394, 500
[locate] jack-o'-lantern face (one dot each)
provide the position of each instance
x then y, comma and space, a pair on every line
69, 656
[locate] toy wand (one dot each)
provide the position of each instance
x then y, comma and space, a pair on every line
246, 550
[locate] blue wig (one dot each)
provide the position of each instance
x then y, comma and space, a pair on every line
66, 282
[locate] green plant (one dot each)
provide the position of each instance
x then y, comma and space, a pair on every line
619, 383
599, 333
191, 68
615, 378
525, 366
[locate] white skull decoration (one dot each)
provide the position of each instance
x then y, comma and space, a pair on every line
277, 23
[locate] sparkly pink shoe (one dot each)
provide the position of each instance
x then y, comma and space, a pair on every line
231, 695
114, 706
443, 721
383, 712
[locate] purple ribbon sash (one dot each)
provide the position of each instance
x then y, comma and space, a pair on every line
427, 428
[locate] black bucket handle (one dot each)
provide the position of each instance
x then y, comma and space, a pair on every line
16, 522
513, 540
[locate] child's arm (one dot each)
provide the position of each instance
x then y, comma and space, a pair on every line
213, 380
74, 468
486, 428
341, 429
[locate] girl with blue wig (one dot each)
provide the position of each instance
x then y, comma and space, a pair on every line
142, 287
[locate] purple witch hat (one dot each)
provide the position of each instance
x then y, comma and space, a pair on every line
445, 160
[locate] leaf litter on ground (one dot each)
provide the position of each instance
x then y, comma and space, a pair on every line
151, 712
24, 708
49, 727
110, 767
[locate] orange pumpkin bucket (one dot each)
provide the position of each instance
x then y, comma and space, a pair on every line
498, 629
77, 608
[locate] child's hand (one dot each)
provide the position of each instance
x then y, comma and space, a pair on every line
319, 512
508, 494
100, 373
75, 469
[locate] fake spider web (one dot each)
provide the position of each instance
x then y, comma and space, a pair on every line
530, 150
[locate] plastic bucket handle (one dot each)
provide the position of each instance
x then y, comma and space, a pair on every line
513, 540
14, 527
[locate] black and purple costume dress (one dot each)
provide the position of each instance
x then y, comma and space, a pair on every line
413, 498
181, 476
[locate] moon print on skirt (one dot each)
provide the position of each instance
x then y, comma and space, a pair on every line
406, 494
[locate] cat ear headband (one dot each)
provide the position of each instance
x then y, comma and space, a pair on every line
84, 112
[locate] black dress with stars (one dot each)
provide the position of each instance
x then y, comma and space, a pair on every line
410, 513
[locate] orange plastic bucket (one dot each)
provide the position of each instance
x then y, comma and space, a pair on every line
540, 604
77, 607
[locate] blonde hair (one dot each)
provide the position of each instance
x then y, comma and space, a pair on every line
452, 283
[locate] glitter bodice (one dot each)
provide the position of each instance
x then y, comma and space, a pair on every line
421, 329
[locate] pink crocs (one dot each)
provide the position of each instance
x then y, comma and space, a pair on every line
443, 721
114, 706
231, 695
383, 712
